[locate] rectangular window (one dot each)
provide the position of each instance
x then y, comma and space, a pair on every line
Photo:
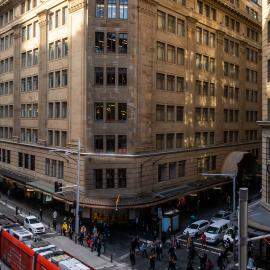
123, 9
110, 178
160, 81
99, 42
122, 76
110, 76
64, 78
64, 15
171, 54
161, 51
181, 27
64, 47
98, 143
122, 178
181, 168
160, 112
180, 56
99, 75
98, 178
161, 16
179, 140
160, 141
100, 8
179, 113
111, 9
123, 43
170, 141
162, 172
35, 83
51, 80
171, 24
170, 113
51, 51
35, 56
122, 111
172, 170
180, 84
110, 112
122, 143
98, 111
58, 48
57, 18
170, 83
110, 143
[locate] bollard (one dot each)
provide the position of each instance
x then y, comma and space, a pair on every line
111, 258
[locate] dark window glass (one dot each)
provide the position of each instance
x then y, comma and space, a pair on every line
122, 111
123, 43
99, 75
122, 76
100, 8
98, 176
98, 141
122, 178
110, 178
110, 111
99, 42
99, 111
110, 76
111, 41
110, 143
122, 143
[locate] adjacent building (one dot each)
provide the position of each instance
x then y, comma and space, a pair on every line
158, 91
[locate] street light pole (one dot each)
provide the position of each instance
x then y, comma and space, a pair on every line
78, 191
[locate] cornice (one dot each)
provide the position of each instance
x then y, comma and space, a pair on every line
75, 5
147, 7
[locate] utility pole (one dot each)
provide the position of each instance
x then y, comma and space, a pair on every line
78, 192
243, 228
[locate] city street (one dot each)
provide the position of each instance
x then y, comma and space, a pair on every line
118, 246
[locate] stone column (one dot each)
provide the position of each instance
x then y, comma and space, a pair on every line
219, 119
190, 81
17, 83
77, 71
43, 78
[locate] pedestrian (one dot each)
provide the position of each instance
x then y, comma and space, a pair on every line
203, 239
132, 257
144, 250
189, 241
220, 262
169, 232
64, 228
163, 238
40, 213
54, 219
172, 264
81, 236
152, 261
171, 251
203, 261
70, 232
158, 251
210, 265
98, 246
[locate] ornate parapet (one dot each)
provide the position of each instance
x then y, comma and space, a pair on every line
75, 5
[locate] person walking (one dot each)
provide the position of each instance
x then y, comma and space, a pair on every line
189, 241
152, 261
40, 214
64, 228
54, 219
158, 251
144, 250
132, 257
98, 246
172, 264
210, 265
203, 240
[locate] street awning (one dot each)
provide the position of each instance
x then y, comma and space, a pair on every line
230, 164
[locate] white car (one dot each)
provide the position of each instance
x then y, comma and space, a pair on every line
33, 225
196, 228
221, 215
228, 239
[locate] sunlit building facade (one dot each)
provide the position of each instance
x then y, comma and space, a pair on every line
158, 91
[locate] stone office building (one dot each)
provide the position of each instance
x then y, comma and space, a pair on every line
158, 91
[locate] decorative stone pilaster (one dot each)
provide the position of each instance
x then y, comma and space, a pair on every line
77, 72
43, 78
219, 118
190, 81
17, 83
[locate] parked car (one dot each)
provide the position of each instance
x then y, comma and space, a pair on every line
221, 215
196, 228
215, 232
33, 225
228, 236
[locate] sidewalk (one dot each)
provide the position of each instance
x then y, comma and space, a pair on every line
83, 253
3, 266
